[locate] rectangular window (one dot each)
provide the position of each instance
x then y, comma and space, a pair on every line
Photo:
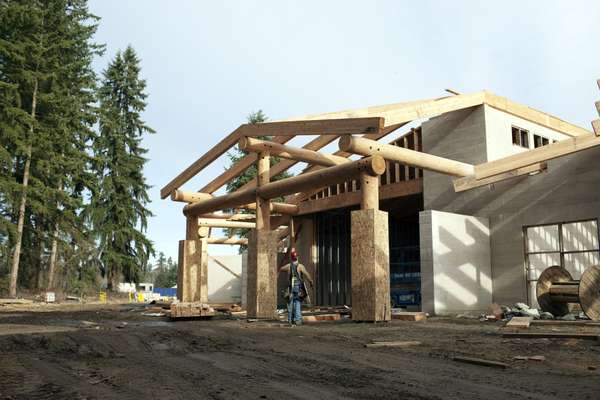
572, 245
520, 137
539, 141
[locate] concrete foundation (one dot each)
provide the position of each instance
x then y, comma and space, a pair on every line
370, 265
262, 274
192, 275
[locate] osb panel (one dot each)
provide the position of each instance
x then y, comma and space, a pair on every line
262, 274
192, 274
370, 266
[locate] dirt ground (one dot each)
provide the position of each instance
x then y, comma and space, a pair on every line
114, 352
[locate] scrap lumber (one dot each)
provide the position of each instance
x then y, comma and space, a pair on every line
15, 301
550, 335
402, 343
519, 322
191, 310
409, 316
321, 317
481, 361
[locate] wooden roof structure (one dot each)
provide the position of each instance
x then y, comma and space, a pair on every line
359, 131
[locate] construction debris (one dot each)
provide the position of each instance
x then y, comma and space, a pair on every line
404, 343
519, 322
550, 335
15, 301
408, 316
529, 358
321, 317
191, 310
480, 361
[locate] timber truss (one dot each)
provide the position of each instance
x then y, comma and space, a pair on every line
334, 180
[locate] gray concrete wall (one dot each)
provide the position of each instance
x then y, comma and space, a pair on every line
455, 263
567, 192
225, 285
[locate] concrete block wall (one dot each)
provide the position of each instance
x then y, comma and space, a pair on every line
455, 263
567, 192
225, 285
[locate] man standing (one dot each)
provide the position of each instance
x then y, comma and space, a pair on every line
297, 290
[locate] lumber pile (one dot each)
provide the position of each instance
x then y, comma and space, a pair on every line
409, 316
191, 310
321, 317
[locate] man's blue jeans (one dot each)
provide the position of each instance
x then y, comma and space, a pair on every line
295, 309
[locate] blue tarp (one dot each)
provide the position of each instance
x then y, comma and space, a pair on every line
166, 292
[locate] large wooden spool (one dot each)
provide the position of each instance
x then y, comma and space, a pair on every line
557, 291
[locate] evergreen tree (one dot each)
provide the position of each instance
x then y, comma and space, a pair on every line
250, 173
46, 84
118, 205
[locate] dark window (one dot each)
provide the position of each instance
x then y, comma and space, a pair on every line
539, 141
520, 137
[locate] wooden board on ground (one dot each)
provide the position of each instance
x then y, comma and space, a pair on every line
321, 317
480, 361
191, 310
409, 316
550, 335
15, 301
519, 322
397, 343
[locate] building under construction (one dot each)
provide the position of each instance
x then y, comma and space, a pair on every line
466, 207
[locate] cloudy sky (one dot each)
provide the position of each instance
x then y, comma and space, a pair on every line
209, 64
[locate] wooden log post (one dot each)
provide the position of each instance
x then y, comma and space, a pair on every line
370, 262
192, 273
262, 253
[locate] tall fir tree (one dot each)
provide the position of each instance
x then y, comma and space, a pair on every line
47, 90
118, 205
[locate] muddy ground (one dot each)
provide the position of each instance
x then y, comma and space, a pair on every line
114, 352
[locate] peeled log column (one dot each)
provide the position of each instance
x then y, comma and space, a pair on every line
263, 204
290, 152
414, 158
369, 186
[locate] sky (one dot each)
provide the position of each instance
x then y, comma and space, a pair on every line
209, 64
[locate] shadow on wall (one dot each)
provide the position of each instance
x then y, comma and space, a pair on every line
225, 279
461, 264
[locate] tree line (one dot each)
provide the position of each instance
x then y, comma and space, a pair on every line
73, 197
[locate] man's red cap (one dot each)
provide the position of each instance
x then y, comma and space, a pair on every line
293, 255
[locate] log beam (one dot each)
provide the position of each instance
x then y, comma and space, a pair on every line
227, 240
290, 152
276, 208
189, 197
224, 223
374, 165
414, 158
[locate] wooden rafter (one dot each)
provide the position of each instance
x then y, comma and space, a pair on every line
201, 163
343, 126
343, 122
534, 156
470, 182
290, 152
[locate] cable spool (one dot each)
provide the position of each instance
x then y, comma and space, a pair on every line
557, 291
